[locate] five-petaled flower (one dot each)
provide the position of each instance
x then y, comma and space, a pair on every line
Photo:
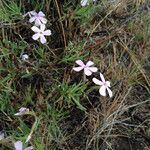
19, 146
88, 69
105, 85
40, 33
22, 111
85, 2
38, 18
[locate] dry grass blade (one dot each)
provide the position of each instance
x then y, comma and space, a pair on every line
135, 61
63, 31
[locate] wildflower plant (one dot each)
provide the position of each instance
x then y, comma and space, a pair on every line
39, 25
88, 70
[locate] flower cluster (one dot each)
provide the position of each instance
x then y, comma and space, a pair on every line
88, 70
39, 27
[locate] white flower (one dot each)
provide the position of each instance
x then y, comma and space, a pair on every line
40, 33
105, 85
24, 57
38, 18
85, 2
22, 111
88, 69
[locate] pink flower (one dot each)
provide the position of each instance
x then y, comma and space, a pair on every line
40, 33
38, 18
19, 146
105, 85
22, 111
88, 69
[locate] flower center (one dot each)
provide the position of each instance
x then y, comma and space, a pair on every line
86, 66
37, 15
104, 83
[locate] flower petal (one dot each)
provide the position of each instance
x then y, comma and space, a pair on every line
87, 71
93, 69
47, 32
42, 39
80, 63
84, 2
38, 22
29, 148
23, 109
102, 90
35, 29
24, 57
96, 81
109, 92
32, 19
36, 36
108, 83
43, 20
102, 77
77, 69
33, 12
41, 14
89, 63
42, 27
18, 145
